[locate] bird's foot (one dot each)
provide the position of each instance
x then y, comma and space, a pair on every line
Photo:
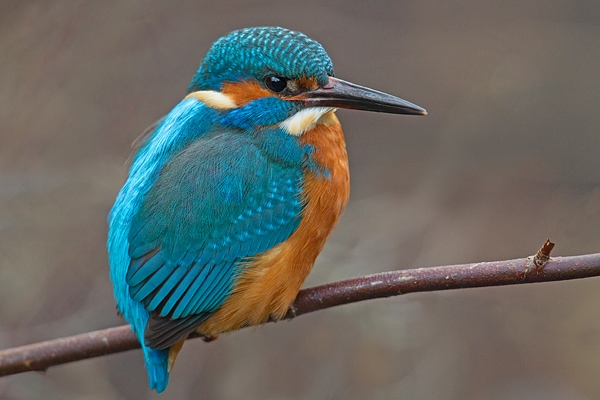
291, 313
209, 338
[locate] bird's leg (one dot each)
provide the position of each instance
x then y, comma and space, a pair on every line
291, 314
209, 338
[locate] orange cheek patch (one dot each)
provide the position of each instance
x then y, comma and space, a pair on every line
307, 83
244, 92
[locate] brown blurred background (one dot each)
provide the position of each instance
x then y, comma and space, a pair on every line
507, 157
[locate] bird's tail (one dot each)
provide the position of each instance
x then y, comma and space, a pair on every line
157, 361
157, 365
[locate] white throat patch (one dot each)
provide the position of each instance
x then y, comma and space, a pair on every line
305, 120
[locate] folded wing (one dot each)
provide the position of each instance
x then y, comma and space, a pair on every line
215, 204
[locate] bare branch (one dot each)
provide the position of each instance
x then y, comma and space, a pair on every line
538, 268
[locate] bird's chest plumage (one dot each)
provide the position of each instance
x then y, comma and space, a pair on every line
270, 281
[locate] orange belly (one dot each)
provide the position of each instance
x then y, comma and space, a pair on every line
271, 281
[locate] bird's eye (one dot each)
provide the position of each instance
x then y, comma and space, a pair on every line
276, 84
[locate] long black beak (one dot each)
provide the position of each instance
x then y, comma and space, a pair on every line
341, 94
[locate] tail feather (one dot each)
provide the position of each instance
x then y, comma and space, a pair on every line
157, 365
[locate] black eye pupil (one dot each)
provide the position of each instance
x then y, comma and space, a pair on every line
276, 83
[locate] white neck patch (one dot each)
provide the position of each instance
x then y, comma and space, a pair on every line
213, 99
305, 120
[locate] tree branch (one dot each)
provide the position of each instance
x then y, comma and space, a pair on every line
538, 268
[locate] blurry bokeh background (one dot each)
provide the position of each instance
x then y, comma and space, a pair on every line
508, 156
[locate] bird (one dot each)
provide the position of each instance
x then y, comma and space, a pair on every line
231, 196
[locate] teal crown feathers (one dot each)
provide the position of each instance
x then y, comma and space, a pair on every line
254, 53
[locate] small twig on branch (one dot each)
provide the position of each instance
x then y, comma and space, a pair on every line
542, 257
41, 356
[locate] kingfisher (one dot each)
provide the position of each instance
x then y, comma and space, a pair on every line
231, 196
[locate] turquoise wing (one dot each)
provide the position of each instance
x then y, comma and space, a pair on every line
215, 203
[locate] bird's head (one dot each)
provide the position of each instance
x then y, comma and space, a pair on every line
266, 76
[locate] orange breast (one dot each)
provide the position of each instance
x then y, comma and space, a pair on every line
272, 280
